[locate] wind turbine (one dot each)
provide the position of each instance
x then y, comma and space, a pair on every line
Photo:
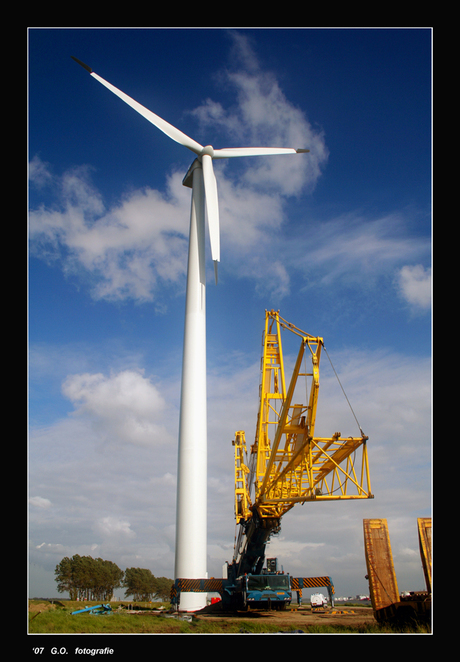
191, 516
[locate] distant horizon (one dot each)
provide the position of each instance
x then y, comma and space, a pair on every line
117, 599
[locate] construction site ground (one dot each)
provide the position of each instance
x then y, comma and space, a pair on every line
301, 618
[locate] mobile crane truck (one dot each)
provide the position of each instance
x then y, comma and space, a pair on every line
287, 465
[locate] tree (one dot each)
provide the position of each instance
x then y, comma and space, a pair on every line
86, 578
64, 578
163, 588
140, 584
110, 577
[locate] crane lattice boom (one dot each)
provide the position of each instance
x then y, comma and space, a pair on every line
287, 463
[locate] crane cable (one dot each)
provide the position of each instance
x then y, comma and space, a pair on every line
343, 391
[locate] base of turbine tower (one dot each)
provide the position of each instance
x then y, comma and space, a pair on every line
190, 602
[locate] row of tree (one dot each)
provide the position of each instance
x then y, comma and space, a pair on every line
143, 586
85, 578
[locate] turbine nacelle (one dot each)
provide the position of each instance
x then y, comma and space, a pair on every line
204, 154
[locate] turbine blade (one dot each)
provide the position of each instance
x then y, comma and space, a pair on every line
161, 124
212, 205
82, 64
229, 152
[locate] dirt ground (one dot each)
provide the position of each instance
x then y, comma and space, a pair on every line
299, 618
40, 606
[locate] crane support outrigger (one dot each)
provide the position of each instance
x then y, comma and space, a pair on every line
287, 463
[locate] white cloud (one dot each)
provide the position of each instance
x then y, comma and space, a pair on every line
114, 527
354, 248
40, 502
128, 248
55, 548
39, 172
264, 116
124, 407
415, 285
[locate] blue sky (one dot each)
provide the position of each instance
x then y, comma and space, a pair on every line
339, 240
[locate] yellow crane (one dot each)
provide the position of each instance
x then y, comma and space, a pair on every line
287, 463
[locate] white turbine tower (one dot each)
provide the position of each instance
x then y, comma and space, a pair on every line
191, 515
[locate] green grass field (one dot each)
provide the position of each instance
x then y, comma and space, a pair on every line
57, 619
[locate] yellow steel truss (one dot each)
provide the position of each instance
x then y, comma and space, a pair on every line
424, 533
242, 499
287, 463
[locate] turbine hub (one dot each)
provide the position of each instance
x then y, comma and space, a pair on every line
209, 150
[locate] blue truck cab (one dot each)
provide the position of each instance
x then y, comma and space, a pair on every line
266, 591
